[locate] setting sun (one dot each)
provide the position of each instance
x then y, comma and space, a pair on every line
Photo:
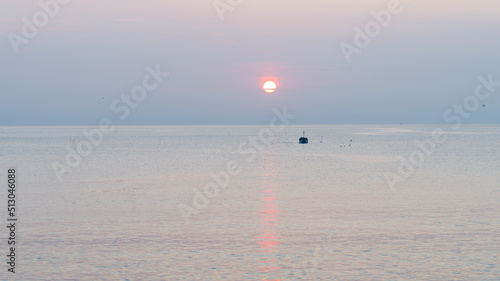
269, 87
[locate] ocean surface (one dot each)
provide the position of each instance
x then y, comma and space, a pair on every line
251, 203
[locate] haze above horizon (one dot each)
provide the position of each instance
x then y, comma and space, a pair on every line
70, 63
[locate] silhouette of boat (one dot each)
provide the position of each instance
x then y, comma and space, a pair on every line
303, 139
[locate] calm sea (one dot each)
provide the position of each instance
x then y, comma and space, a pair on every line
250, 203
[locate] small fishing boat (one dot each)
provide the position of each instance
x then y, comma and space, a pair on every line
303, 139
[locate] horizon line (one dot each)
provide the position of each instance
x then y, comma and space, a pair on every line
260, 124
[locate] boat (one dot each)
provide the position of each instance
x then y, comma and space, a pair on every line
303, 139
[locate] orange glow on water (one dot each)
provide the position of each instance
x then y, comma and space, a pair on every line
269, 212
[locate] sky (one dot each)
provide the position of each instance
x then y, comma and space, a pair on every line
83, 56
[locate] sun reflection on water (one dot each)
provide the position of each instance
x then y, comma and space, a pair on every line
269, 214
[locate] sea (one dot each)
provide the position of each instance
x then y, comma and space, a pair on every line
358, 202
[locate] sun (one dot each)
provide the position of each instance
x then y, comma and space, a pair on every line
269, 87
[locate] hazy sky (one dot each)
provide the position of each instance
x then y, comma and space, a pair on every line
90, 53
